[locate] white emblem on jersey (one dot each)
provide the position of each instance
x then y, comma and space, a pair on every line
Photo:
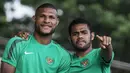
28, 52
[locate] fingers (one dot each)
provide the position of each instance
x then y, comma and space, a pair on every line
99, 37
102, 46
109, 40
105, 41
23, 35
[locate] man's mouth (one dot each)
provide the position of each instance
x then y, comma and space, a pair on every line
80, 42
46, 26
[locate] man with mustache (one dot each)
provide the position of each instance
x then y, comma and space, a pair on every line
38, 54
86, 59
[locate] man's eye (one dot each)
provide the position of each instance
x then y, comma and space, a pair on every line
41, 15
52, 17
84, 32
74, 34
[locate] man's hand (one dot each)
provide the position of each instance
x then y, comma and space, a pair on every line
105, 44
105, 41
23, 34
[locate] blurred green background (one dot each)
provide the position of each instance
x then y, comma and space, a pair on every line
108, 17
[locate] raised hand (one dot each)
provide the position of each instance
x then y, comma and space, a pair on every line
105, 41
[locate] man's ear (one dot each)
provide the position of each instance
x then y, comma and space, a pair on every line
69, 39
57, 21
92, 35
34, 18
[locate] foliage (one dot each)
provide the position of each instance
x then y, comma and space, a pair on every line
109, 17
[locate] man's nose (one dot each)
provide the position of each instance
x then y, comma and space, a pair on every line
47, 20
80, 35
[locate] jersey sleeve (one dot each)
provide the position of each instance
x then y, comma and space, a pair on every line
65, 63
11, 52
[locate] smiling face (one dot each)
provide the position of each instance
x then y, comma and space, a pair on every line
81, 37
45, 21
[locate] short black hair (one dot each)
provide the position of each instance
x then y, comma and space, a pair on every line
46, 5
79, 21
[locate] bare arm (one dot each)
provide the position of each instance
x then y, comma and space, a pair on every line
7, 68
106, 46
107, 53
10, 56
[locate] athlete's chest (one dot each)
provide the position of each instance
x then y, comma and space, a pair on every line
39, 56
90, 64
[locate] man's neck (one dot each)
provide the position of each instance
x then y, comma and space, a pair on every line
82, 54
43, 39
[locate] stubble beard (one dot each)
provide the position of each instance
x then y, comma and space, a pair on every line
37, 30
82, 49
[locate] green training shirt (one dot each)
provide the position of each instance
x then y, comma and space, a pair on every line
29, 56
91, 63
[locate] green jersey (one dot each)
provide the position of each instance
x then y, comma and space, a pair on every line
90, 63
29, 56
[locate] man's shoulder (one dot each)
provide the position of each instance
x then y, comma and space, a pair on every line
96, 49
56, 44
15, 40
60, 47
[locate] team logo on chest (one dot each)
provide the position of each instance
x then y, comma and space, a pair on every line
84, 63
49, 60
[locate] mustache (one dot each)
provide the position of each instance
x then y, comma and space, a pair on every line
80, 40
46, 25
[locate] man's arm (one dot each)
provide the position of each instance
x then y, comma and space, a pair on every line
10, 56
7, 68
107, 54
106, 48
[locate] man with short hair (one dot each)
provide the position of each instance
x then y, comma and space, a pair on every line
38, 54
85, 59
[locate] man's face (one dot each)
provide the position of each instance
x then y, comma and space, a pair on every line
45, 21
81, 38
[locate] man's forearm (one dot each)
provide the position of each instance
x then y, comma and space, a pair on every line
107, 53
6, 68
